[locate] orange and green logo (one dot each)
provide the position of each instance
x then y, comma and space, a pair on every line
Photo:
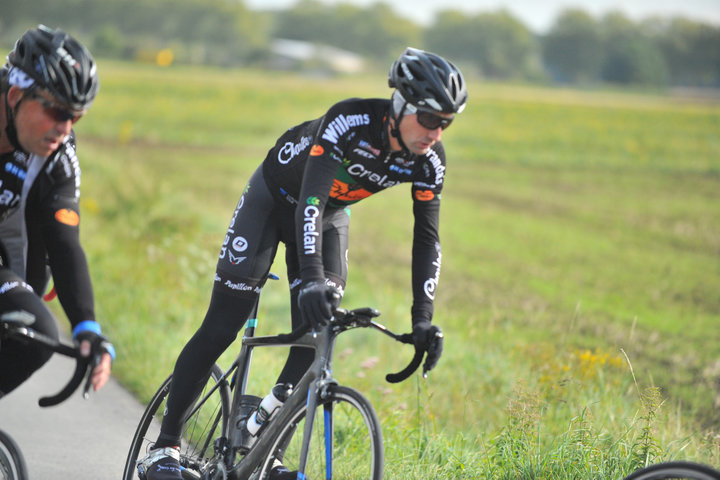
347, 193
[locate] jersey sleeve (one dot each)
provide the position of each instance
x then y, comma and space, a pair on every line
426, 253
54, 226
426, 249
319, 174
324, 159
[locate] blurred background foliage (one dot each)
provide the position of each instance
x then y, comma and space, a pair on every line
578, 49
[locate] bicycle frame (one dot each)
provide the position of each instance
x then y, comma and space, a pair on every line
313, 381
311, 386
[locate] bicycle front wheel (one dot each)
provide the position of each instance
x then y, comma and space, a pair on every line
206, 422
12, 463
346, 440
677, 470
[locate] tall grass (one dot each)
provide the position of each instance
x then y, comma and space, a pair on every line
581, 234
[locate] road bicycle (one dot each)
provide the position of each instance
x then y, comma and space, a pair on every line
323, 430
681, 470
14, 325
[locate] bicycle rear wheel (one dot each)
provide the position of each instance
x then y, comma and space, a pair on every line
207, 421
346, 439
12, 463
676, 470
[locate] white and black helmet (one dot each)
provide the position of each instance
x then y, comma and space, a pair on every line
428, 81
58, 63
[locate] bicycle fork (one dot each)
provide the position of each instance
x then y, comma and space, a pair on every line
317, 390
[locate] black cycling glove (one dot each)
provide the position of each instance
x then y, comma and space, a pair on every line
317, 300
90, 330
428, 338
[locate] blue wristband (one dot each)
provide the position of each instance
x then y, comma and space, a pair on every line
86, 326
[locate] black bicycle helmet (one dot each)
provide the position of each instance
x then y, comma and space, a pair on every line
428, 81
58, 63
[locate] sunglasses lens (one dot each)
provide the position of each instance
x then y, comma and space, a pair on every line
432, 121
55, 112
60, 115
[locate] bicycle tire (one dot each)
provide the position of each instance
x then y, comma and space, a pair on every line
200, 429
12, 462
680, 470
357, 443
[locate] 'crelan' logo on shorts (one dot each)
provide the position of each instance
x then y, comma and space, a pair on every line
68, 217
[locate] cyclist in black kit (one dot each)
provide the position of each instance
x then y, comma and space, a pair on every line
47, 84
300, 195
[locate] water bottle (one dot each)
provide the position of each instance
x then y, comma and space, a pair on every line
269, 405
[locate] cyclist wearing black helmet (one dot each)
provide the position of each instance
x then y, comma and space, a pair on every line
47, 84
300, 196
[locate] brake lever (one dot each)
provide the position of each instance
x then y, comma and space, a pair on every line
438, 336
97, 358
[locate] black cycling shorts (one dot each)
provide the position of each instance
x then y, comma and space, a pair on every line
260, 222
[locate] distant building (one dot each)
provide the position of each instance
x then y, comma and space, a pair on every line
296, 54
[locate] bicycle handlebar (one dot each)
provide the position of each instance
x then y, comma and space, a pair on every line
363, 317
83, 365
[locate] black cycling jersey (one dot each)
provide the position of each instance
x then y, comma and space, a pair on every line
344, 157
40, 215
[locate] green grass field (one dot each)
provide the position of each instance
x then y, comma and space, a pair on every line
580, 291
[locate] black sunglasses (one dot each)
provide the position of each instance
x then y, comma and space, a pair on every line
431, 121
55, 111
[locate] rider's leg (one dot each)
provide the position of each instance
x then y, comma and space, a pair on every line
224, 319
19, 360
245, 258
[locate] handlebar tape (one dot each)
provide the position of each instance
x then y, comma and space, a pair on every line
407, 371
63, 394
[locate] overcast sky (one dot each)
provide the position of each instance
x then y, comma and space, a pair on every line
538, 15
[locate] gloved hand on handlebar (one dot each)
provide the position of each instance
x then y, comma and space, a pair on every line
317, 300
94, 344
428, 338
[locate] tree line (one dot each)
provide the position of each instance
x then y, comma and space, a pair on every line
578, 48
